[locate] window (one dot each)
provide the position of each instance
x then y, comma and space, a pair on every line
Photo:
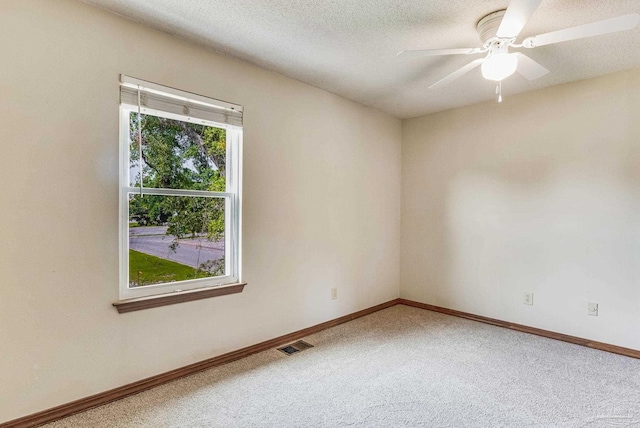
180, 158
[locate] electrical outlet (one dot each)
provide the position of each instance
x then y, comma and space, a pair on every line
592, 309
528, 299
334, 293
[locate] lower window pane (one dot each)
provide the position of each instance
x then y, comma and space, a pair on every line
175, 238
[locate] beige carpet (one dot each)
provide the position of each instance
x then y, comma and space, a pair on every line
401, 367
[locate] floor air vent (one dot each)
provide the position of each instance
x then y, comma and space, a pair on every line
292, 348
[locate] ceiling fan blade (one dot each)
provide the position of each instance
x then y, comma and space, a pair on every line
436, 52
459, 72
518, 14
529, 68
621, 23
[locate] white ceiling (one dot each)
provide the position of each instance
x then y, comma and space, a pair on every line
349, 47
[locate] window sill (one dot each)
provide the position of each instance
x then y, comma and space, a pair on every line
139, 304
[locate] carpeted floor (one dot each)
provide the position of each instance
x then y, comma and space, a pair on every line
400, 367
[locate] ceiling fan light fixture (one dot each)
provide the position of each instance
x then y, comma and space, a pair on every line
499, 31
499, 66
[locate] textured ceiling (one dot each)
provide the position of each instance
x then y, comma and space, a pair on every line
349, 47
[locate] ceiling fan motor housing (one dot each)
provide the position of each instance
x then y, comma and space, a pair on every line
488, 26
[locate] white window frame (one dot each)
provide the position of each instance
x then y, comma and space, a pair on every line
232, 197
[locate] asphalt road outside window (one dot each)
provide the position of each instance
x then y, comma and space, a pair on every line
154, 240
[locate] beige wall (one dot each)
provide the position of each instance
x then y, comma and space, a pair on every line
321, 206
539, 194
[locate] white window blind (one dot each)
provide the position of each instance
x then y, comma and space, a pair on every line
160, 98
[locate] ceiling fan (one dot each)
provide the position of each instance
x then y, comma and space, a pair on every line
498, 32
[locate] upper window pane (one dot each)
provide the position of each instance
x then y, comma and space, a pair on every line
177, 154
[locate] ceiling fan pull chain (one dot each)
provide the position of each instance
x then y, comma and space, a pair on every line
499, 91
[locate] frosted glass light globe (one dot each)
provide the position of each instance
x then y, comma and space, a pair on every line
499, 66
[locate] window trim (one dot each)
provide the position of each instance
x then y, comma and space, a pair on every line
233, 209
